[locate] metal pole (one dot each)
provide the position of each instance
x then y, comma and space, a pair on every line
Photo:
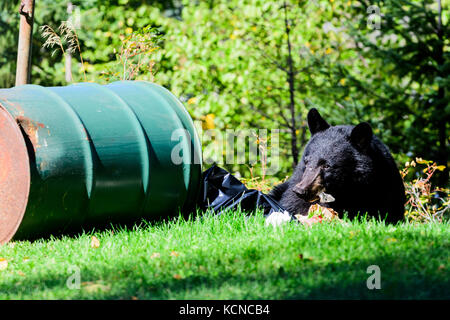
23, 71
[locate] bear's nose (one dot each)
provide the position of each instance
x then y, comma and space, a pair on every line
301, 192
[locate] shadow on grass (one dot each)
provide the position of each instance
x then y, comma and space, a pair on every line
404, 275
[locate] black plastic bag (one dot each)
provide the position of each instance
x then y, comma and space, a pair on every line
221, 191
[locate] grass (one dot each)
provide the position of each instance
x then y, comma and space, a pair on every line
233, 257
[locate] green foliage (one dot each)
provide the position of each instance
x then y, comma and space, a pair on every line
235, 67
425, 203
409, 91
253, 64
104, 24
135, 56
233, 59
9, 25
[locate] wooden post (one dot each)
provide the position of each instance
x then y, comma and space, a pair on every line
23, 71
68, 56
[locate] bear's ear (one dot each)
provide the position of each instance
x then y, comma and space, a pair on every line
315, 121
361, 135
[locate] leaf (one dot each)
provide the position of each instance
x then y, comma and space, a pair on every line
192, 100
95, 243
174, 254
421, 161
440, 168
3, 264
95, 286
177, 276
155, 255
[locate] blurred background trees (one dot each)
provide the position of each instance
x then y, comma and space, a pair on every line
263, 64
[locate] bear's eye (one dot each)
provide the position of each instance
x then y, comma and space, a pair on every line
322, 163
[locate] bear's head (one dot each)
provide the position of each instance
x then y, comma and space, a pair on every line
335, 160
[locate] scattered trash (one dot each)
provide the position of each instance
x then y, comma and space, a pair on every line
317, 214
221, 191
326, 198
277, 219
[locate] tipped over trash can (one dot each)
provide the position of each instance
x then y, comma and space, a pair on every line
89, 155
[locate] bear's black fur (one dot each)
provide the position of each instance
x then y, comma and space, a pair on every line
350, 164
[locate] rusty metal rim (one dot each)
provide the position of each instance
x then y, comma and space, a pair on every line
14, 176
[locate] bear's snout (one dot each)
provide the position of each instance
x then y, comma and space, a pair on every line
310, 186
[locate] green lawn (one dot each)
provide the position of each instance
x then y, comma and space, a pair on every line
231, 257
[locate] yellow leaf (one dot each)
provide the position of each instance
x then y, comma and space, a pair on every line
174, 254
391, 240
328, 51
94, 286
192, 100
421, 161
342, 81
95, 243
440, 168
3, 264
209, 121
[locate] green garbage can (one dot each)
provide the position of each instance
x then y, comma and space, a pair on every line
89, 155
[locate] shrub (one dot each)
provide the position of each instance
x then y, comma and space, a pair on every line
425, 203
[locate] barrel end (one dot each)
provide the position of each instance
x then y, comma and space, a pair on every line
14, 176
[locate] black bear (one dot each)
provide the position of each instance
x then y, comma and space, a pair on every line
350, 166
